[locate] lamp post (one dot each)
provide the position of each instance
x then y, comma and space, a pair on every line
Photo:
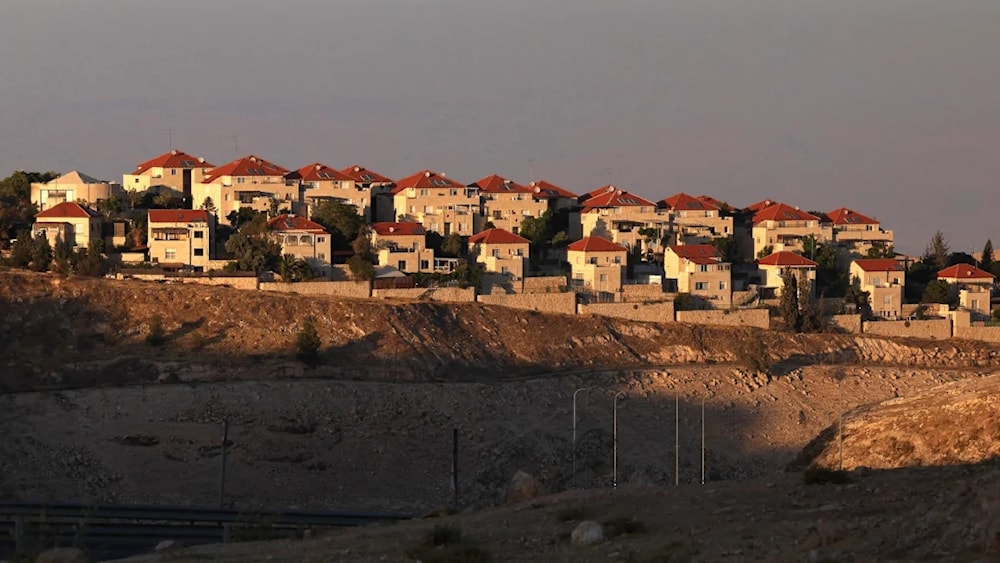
614, 474
575, 393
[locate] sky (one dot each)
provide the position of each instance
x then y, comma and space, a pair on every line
889, 107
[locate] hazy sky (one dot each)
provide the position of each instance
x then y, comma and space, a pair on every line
890, 107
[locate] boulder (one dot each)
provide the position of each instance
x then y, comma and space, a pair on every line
62, 555
587, 532
524, 486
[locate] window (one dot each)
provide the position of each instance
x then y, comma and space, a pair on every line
504, 270
722, 285
170, 254
173, 171
425, 265
604, 277
401, 265
321, 239
424, 192
321, 256
199, 252
618, 260
496, 253
701, 286
703, 267
199, 234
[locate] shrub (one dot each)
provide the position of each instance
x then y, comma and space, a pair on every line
821, 476
156, 335
307, 344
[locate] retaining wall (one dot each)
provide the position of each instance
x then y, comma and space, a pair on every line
938, 329
662, 312
354, 290
759, 318
543, 284
847, 323
443, 294
542, 302
645, 292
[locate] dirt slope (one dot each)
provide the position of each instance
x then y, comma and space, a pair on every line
954, 424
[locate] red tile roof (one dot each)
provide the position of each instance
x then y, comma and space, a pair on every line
709, 199
697, 253
67, 209
845, 216
295, 223
782, 212
173, 159
247, 166
497, 236
684, 202
387, 228
178, 216
362, 175
879, 264
596, 244
964, 272
318, 172
543, 189
499, 185
762, 204
426, 179
787, 259
611, 196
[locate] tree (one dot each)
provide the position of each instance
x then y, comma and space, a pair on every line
341, 219
307, 344
937, 252
468, 274
788, 305
110, 206
91, 262
21, 250
156, 336
253, 248
937, 291
727, 248
241, 216
986, 261
454, 246
810, 314
41, 254
538, 230
16, 209
856, 299
362, 246
62, 256
209, 205
766, 251
881, 251
361, 269
294, 269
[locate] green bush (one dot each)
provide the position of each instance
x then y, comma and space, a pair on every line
307, 344
156, 335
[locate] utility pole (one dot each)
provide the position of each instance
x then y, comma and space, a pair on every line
702, 440
454, 464
614, 474
222, 470
677, 439
574, 432
840, 421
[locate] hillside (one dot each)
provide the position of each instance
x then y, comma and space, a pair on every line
955, 424
65, 333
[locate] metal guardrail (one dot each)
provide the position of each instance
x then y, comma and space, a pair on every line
112, 531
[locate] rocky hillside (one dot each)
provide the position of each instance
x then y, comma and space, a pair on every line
958, 423
59, 333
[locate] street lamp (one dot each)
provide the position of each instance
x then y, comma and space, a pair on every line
574, 431
614, 474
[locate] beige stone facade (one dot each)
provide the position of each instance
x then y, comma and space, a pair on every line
617, 215
597, 264
884, 280
250, 182
75, 224
858, 233
175, 170
696, 221
402, 246
699, 270
772, 268
506, 204
501, 252
780, 227
318, 182
305, 240
72, 187
438, 203
181, 237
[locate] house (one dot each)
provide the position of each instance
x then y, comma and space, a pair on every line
696, 220
379, 190
597, 264
556, 196
614, 214
250, 182
858, 233
402, 246
303, 239
500, 251
971, 285
173, 172
506, 203
318, 182
70, 222
884, 279
772, 267
73, 186
438, 203
179, 238
698, 269
779, 227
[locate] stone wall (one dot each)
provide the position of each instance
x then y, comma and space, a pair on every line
442, 294
847, 323
238, 282
984, 333
939, 329
542, 302
645, 292
544, 284
662, 312
354, 290
759, 318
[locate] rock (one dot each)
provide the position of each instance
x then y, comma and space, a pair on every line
524, 486
587, 532
62, 555
166, 545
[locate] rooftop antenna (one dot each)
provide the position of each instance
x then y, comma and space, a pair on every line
611, 181
531, 169
170, 139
